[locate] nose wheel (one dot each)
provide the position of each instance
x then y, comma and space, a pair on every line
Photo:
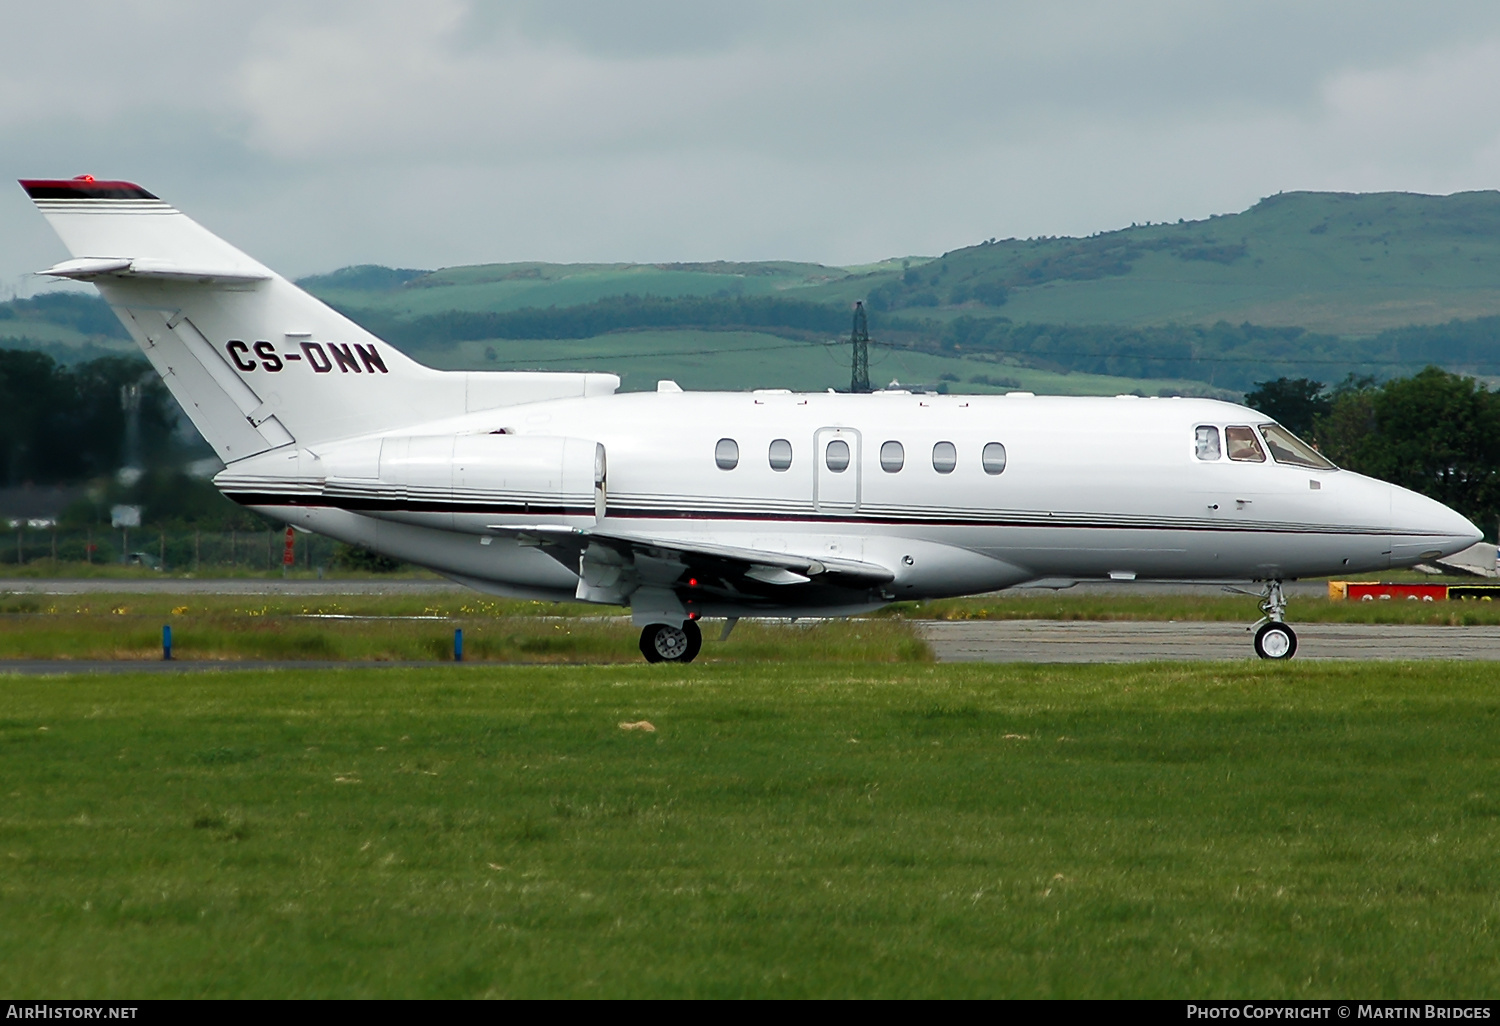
1273, 638
1275, 641
664, 643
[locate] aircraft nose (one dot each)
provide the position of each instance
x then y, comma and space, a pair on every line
1431, 528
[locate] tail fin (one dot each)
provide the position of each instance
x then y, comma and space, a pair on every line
254, 361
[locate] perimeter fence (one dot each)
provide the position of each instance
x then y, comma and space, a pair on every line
167, 549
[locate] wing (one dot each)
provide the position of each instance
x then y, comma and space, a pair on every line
615, 562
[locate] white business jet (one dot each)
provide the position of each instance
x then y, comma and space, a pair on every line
686, 505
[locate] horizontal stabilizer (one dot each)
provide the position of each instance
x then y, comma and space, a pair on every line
93, 268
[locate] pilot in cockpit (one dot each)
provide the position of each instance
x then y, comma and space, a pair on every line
1242, 445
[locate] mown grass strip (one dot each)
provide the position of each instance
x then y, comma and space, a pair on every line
420, 627
459, 602
216, 630
1226, 830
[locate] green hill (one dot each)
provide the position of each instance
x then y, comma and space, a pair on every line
1302, 284
493, 288
1336, 263
71, 327
1315, 284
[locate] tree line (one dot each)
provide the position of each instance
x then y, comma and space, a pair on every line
60, 424
65, 425
796, 318
1229, 356
1225, 355
1435, 432
87, 314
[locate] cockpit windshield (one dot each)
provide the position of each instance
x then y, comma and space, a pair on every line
1288, 448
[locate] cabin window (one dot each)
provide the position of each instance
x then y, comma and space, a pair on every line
1206, 442
837, 455
993, 458
944, 457
727, 454
892, 457
780, 454
1242, 444
1288, 448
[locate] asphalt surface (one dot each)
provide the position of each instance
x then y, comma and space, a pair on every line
1093, 641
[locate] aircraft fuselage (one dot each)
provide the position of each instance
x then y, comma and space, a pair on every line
1082, 489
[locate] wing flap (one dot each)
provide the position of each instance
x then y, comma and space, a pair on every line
568, 544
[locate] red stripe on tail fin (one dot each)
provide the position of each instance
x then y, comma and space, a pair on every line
78, 188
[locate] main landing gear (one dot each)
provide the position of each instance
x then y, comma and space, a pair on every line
663, 643
1273, 638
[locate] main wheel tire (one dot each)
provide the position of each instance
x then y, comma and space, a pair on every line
663, 643
695, 641
1275, 641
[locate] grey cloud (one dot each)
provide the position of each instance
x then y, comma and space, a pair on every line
449, 132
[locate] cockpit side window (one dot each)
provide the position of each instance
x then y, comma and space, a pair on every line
1288, 448
1242, 444
1206, 442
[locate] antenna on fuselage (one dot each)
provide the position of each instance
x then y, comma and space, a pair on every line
859, 340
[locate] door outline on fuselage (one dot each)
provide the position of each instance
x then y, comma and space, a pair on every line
601, 482
837, 492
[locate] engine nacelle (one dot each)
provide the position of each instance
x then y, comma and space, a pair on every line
451, 481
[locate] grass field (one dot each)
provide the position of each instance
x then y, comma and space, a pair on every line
420, 627
501, 287
404, 628
812, 830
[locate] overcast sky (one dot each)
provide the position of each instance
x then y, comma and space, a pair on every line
446, 132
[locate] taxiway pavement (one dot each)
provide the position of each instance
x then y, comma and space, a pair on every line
1095, 641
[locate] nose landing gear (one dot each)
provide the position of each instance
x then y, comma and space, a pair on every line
1273, 638
663, 643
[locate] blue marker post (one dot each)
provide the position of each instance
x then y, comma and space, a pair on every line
458, 644
166, 642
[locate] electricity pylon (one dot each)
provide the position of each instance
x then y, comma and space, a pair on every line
859, 338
